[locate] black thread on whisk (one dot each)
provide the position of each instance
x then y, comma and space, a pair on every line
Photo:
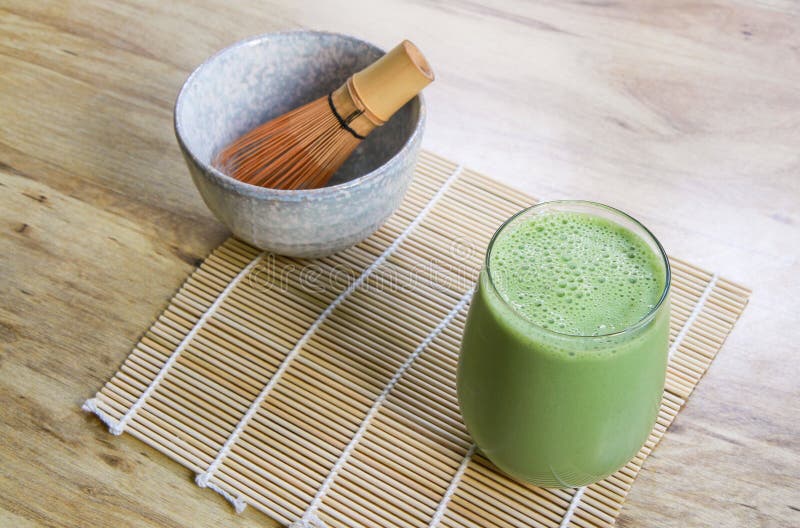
345, 124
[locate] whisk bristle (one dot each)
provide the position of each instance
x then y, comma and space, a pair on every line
301, 149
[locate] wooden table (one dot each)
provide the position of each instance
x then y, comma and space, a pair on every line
686, 114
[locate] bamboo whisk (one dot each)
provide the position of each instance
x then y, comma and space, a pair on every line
303, 148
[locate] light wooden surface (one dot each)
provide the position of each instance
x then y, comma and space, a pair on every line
685, 114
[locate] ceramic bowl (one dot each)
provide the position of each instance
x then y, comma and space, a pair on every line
260, 78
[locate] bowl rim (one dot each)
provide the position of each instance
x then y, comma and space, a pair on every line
281, 194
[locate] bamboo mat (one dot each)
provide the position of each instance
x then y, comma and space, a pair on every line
324, 391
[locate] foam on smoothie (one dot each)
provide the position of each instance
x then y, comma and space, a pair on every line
576, 274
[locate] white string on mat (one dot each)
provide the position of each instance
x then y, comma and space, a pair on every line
239, 503
695, 313
91, 406
310, 514
451, 489
204, 478
116, 428
573, 505
310, 521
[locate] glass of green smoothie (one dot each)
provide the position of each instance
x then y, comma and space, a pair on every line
564, 352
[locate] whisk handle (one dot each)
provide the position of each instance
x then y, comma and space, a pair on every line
387, 84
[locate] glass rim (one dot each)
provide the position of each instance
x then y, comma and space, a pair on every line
643, 321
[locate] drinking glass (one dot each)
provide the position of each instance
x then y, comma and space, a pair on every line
554, 409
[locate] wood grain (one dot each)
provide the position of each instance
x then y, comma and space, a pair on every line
685, 114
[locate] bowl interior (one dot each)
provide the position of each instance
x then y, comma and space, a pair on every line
254, 81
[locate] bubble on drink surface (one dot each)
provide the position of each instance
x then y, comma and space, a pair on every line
580, 274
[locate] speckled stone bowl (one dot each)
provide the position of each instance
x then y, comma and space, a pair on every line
257, 79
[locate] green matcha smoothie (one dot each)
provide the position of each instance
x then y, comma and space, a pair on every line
564, 353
